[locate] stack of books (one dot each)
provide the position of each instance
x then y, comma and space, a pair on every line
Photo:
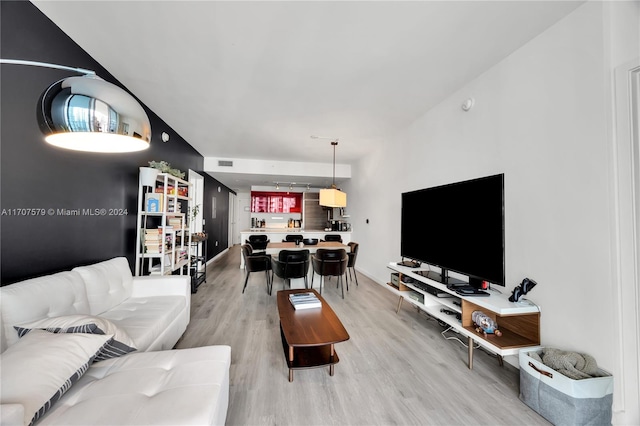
170, 189
304, 300
152, 240
174, 222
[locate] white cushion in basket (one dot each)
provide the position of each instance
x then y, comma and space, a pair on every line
39, 368
120, 345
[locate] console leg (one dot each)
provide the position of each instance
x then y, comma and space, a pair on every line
500, 361
399, 304
470, 340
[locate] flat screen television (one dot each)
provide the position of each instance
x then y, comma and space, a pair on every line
457, 227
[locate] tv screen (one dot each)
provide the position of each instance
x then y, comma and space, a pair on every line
457, 227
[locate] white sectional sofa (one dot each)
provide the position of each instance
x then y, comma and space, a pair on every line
105, 336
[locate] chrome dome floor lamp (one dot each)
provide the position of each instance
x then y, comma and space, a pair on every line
87, 113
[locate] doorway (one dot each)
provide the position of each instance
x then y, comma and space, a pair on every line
197, 196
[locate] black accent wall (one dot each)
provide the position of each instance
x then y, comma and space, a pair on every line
216, 228
53, 181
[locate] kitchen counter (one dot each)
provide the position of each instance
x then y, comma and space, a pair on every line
287, 231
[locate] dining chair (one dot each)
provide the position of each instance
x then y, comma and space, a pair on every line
256, 263
333, 237
330, 263
351, 264
291, 264
258, 242
293, 238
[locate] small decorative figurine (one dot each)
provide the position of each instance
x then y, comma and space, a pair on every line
485, 324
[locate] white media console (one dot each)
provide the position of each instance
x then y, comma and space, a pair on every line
518, 322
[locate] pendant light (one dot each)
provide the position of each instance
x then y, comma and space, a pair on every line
87, 113
333, 197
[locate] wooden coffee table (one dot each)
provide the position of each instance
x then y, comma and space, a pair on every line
309, 335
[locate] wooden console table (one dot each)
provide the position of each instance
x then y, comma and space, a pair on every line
518, 322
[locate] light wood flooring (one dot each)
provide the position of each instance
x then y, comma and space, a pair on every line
396, 369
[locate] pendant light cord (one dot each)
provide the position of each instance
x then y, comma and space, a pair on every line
334, 143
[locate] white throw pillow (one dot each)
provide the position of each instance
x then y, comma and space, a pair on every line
39, 368
79, 323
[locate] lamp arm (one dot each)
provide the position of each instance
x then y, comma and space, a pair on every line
47, 65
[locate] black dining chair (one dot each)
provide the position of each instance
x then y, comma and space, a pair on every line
291, 264
258, 242
330, 263
351, 264
256, 263
293, 238
333, 237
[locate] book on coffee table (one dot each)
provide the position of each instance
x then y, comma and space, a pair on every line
304, 300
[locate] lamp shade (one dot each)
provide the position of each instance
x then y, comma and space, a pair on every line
333, 197
89, 114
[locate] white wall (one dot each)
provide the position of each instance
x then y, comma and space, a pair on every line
243, 211
542, 116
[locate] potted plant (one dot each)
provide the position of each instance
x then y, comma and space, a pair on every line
165, 167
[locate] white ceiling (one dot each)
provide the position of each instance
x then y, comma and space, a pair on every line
243, 79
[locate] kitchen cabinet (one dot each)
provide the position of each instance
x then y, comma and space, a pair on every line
276, 202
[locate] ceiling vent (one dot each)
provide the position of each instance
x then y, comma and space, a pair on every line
225, 163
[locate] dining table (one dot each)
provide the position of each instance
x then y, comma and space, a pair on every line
275, 248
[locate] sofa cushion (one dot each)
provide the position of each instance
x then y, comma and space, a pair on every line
119, 345
42, 366
49, 296
177, 387
108, 283
146, 318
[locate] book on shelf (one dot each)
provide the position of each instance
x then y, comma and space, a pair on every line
175, 222
152, 241
153, 202
304, 300
170, 189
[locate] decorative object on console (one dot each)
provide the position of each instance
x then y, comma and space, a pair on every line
96, 106
524, 288
486, 324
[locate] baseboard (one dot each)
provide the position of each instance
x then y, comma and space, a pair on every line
217, 256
